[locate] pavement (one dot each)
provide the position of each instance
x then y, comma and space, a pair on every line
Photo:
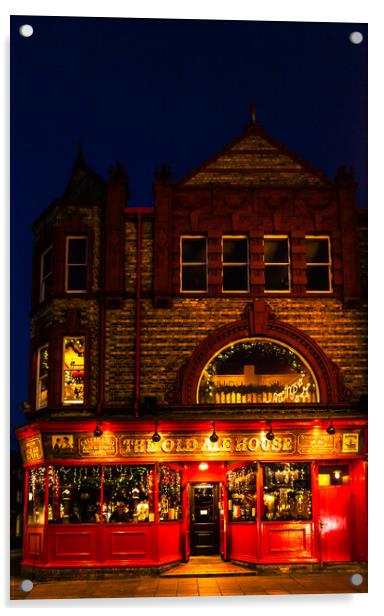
195, 579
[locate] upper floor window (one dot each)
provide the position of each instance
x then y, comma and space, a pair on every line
76, 265
73, 370
318, 258
193, 264
42, 377
277, 263
235, 264
45, 273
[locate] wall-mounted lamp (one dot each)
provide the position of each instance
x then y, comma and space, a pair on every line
156, 436
98, 431
203, 466
213, 438
331, 429
270, 435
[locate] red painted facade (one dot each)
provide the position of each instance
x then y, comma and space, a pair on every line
296, 497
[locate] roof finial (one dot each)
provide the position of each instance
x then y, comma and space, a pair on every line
253, 112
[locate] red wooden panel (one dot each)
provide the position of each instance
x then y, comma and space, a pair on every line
335, 523
127, 544
75, 544
34, 543
169, 548
243, 541
288, 542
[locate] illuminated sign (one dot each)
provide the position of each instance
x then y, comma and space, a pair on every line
32, 449
98, 446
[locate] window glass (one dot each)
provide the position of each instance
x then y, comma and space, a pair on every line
46, 273
257, 370
235, 250
76, 274
128, 494
74, 494
42, 377
169, 494
276, 264
242, 494
235, 264
318, 264
333, 475
287, 491
193, 264
36, 492
73, 370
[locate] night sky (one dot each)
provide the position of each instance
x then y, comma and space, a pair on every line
149, 92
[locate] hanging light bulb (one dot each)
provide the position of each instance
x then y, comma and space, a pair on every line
331, 429
98, 431
270, 435
156, 436
213, 438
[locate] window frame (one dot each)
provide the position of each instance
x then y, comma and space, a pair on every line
313, 263
39, 378
193, 263
287, 264
68, 265
43, 279
237, 264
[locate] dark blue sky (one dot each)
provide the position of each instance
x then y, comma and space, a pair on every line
149, 92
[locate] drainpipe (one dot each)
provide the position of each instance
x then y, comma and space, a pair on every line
138, 317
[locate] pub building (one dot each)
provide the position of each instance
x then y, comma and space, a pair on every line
198, 368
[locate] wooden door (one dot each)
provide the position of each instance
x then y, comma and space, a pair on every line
334, 512
204, 526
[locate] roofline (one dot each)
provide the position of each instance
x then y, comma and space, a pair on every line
258, 129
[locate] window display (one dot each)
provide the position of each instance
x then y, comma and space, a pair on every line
128, 494
169, 494
36, 491
242, 494
73, 370
287, 491
257, 370
74, 494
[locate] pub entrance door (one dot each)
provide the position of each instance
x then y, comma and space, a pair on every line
204, 524
334, 494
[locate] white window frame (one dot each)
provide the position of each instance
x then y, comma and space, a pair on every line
328, 264
194, 263
238, 264
43, 279
40, 379
286, 264
68, 265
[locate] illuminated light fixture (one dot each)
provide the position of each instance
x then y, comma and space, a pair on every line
203, 466
337, 474
98, 431
270, 435
331, 429
213, 438
156, 436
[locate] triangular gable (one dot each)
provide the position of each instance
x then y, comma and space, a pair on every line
255, 159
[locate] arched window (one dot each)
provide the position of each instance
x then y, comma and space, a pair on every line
257, 370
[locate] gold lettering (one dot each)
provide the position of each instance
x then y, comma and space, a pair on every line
253, 443
276, 444
167, 445
241, 444
208, 446
139, 446
226, 444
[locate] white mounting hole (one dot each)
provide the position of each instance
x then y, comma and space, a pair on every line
356, 579
26, 30
26, 585
356, 38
